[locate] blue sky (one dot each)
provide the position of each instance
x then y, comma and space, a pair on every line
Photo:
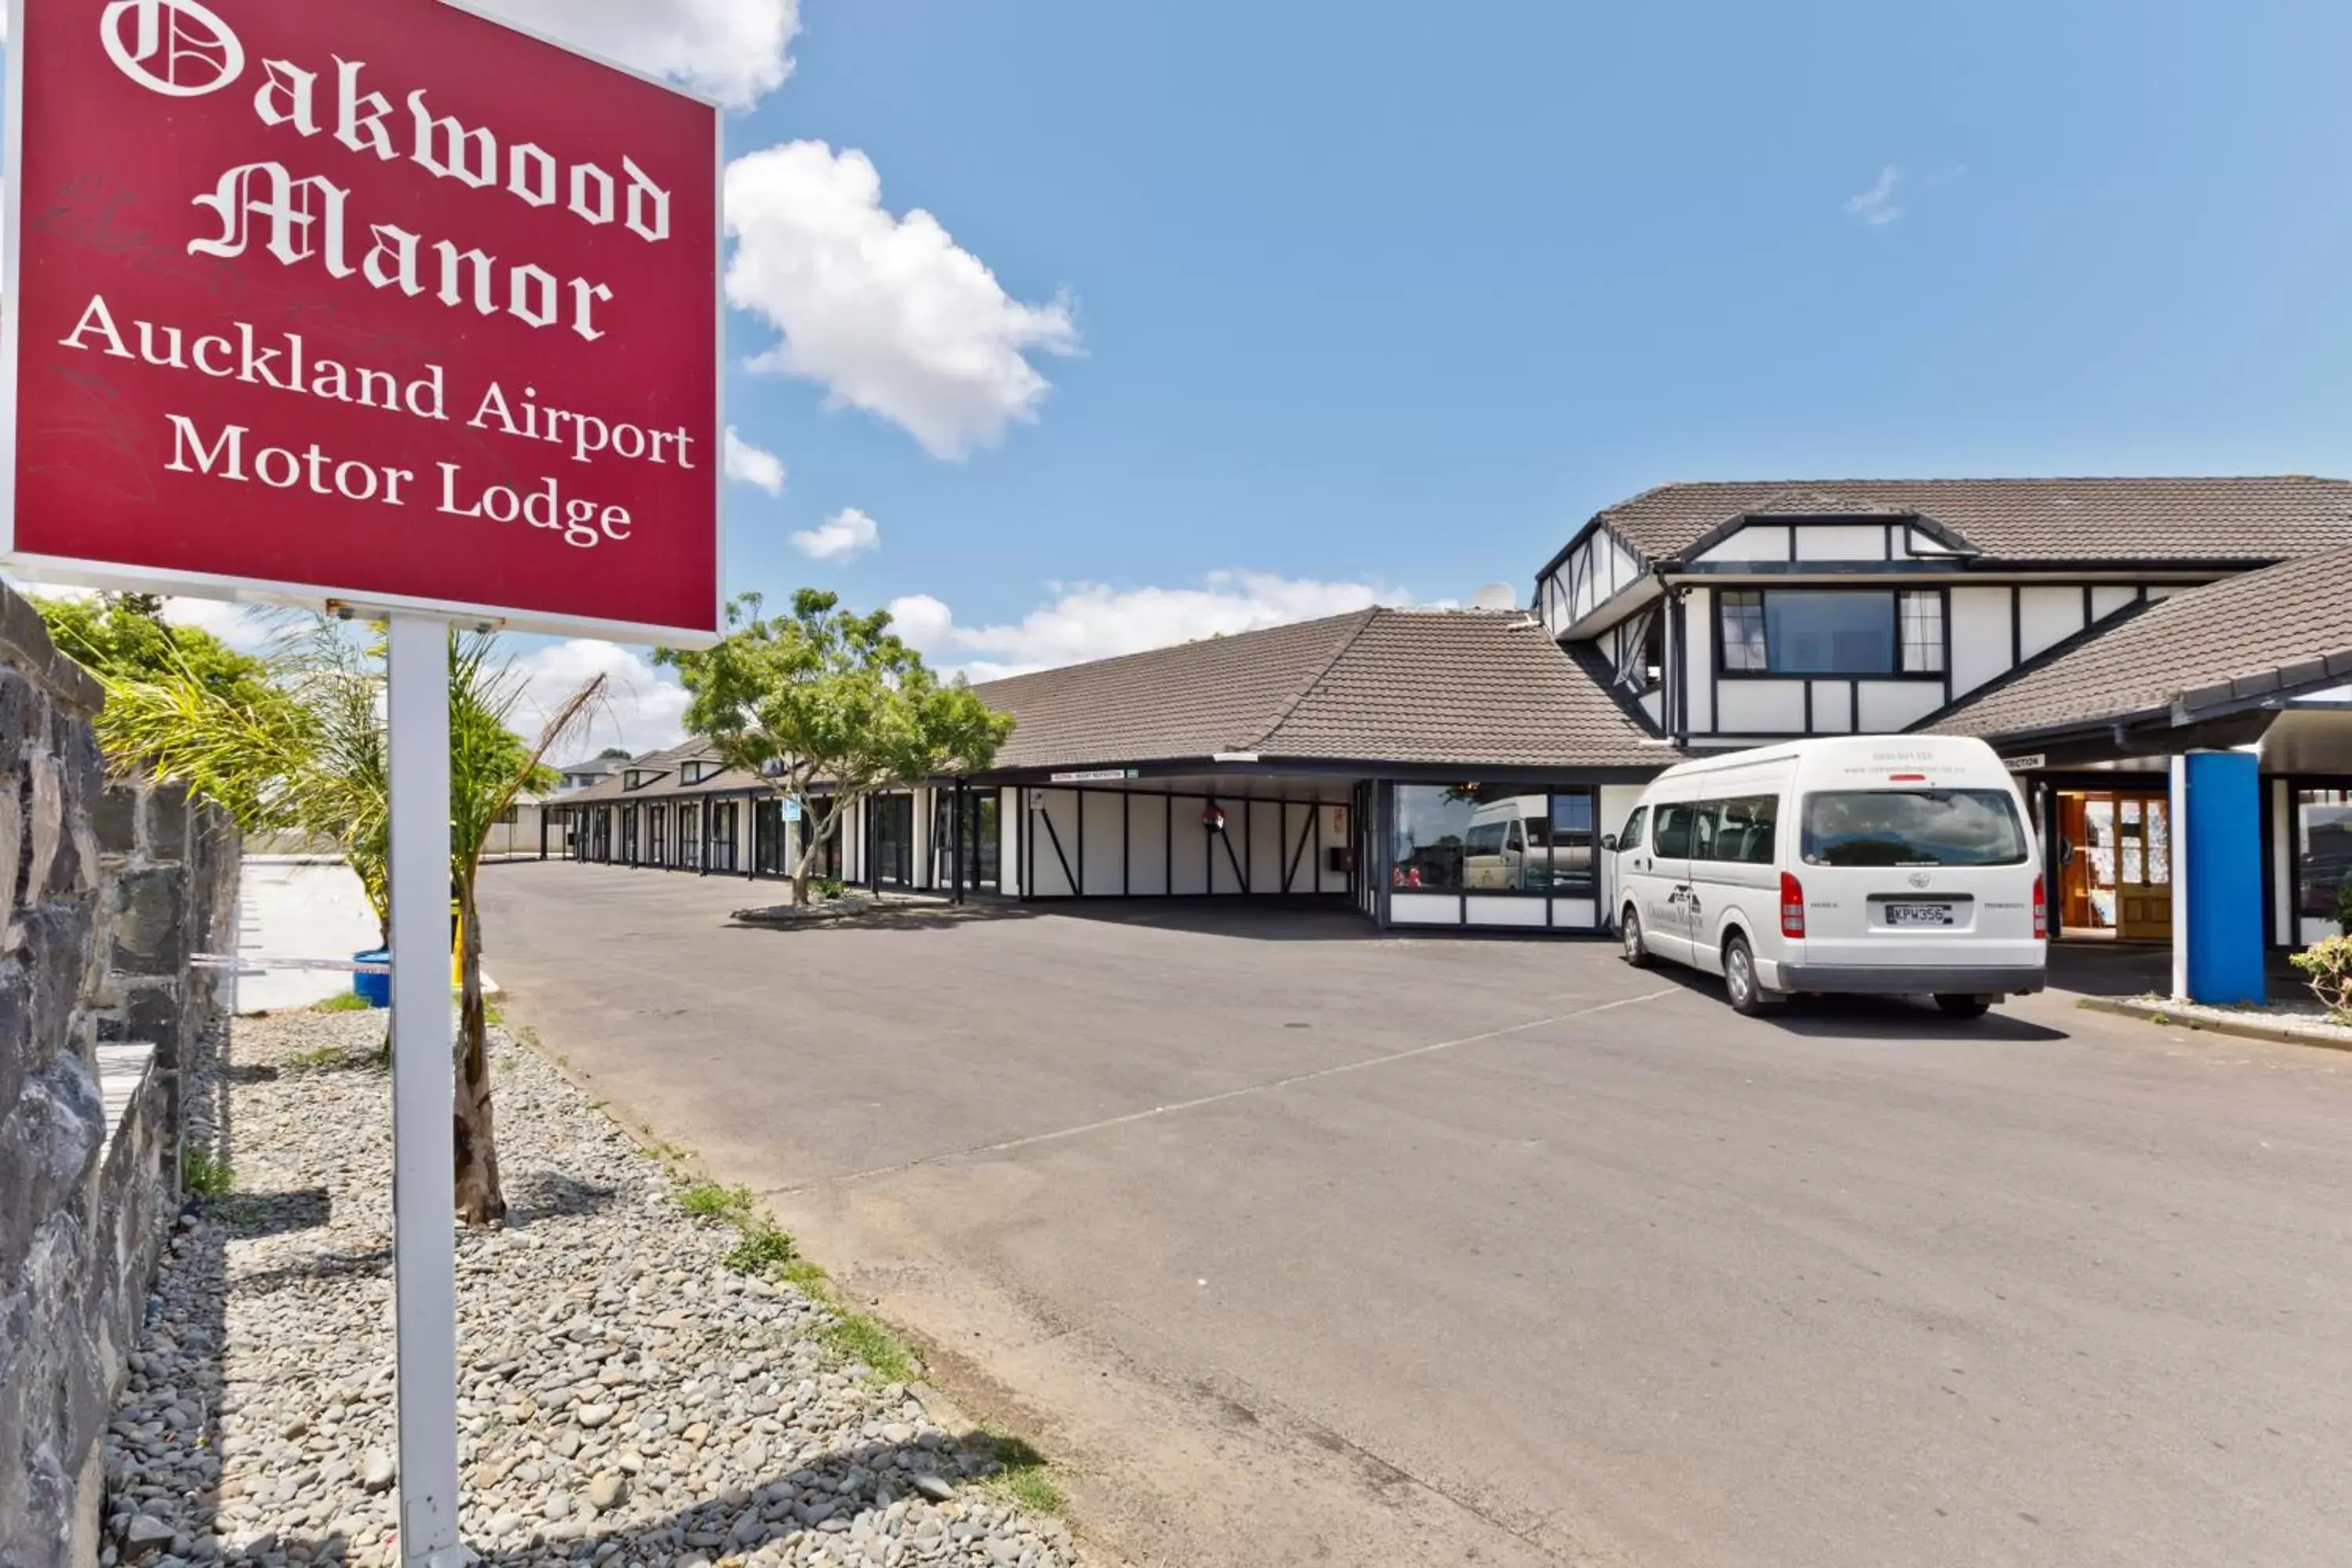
1297, 305
1373, 295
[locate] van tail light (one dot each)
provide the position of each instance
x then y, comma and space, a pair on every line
2040, 912
1792, 906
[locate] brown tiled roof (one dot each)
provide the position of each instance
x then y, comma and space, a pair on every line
2250, 520
1377, 685
2287, 628
667, 762
1193, 700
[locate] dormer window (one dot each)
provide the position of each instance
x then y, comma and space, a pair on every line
1829, 631
695, 772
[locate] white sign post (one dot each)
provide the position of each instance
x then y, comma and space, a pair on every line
424, 1090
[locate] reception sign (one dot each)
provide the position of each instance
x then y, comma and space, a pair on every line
387, 304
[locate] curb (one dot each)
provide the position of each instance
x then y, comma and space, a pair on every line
2160, 1013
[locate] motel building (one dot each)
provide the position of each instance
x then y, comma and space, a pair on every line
2165, 663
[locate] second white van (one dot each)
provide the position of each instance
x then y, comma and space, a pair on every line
1893, 864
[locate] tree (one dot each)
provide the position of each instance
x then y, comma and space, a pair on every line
315, 763
124, 636
827, 697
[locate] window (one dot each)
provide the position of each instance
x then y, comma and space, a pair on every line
1492, 839
1631, 838
1433, 826
1739, 831
1566, 864
695, 772
1639, 650
1831, 631
1743, 632
1922, 614
1913, 827
2323, 837
1674, 842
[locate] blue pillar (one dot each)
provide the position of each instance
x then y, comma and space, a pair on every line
2218, 912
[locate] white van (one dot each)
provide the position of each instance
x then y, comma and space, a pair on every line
1895, 864
1510, 845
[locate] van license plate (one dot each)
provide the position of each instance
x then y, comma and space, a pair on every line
1918, 914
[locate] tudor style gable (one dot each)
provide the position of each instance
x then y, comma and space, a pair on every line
1738, 613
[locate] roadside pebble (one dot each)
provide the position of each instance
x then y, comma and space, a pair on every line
625, 1399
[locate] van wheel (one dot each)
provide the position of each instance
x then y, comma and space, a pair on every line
1962, 1007
1740, 978
1636, 951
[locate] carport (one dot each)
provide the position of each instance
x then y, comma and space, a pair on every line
1118, 834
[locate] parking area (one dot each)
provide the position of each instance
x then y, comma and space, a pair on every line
1300, 1243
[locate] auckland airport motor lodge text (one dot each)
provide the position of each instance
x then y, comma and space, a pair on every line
285, 364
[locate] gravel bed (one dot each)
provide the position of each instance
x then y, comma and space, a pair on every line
625, 1398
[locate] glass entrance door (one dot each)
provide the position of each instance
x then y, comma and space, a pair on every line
974, 838
2114, 853
893, 838
980, 847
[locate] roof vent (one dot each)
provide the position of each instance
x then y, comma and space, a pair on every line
1495, 596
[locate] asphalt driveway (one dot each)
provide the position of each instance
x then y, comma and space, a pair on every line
1304, 1244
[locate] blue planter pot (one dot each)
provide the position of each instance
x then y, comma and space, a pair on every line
375, 989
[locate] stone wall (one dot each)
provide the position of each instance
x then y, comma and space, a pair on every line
107, 890
170, 872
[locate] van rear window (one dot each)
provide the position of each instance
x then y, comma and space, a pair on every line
1913, 827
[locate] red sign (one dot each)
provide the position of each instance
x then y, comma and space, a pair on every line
388, 303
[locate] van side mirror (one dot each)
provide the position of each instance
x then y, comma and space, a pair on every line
1609, 842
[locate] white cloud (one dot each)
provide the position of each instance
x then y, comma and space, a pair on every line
643, 707
245, 629
755, 466
846, 533
1875, 206
1089, 620
888, 314
733, 51
234, 624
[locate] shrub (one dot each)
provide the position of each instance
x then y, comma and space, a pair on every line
203, 1174
762, 1248
2327, 969
2344, 906
828, 886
